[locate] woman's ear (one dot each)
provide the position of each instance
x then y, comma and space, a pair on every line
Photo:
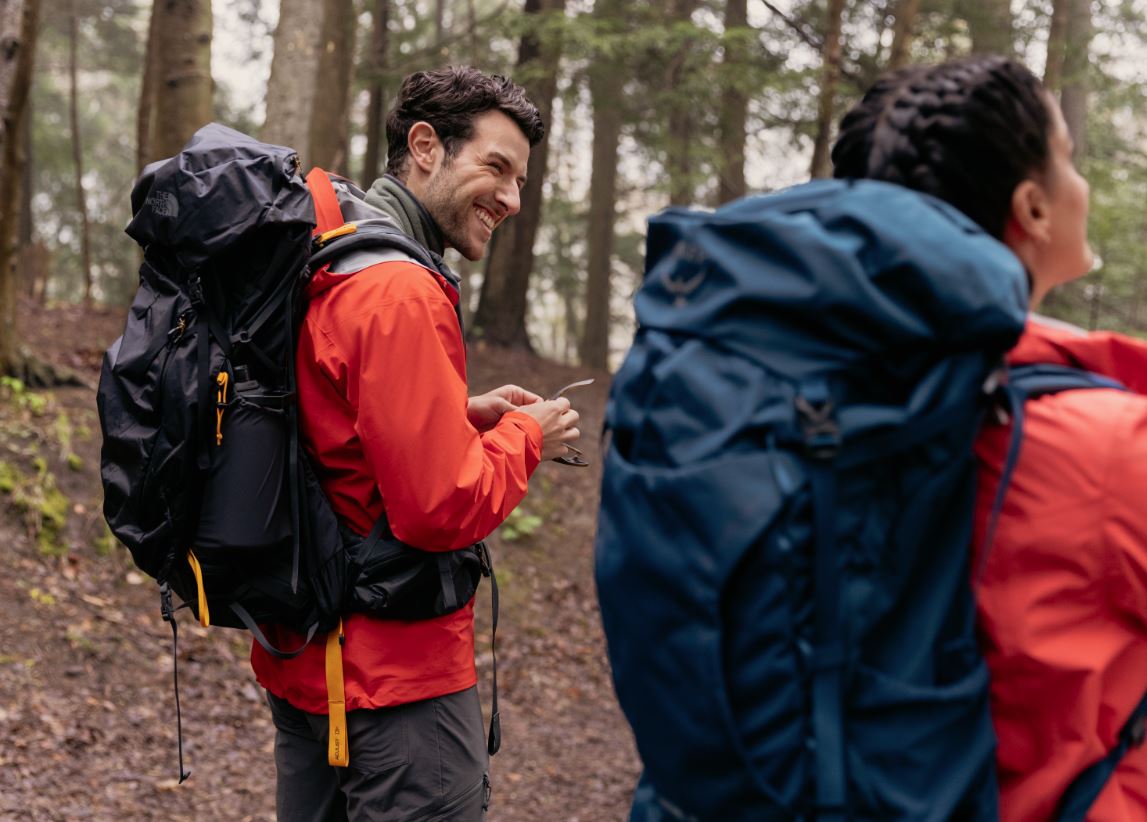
424, 145
1031, 212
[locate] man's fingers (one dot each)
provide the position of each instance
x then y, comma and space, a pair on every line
569, 435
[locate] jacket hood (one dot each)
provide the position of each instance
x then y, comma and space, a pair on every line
220, 189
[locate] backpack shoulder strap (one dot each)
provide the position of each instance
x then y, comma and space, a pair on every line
328, 215
1085, 788
1023, 383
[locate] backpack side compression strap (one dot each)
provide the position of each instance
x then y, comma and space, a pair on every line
1085, 788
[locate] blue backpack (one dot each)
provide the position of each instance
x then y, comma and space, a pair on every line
782, 554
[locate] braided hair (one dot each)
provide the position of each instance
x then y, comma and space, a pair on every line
967, 131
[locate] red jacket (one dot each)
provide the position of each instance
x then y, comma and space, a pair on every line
382, 392
1062, 598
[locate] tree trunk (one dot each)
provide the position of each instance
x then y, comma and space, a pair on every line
605, 92
148, 92
830, 74
78, 154
681, 112
1076, 80
18, 25
906, 14
184, 98
330, 113
372, 163
1056, 45
294, 68
501, 315
991, 25
734, 105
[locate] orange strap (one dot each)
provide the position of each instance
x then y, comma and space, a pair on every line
328, 215
338, 750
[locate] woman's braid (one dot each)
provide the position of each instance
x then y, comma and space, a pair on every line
967, 131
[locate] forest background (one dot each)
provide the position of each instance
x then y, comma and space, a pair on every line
650, 103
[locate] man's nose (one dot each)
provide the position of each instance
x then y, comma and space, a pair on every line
510, 198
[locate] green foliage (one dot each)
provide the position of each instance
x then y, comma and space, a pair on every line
13, 388
519, 525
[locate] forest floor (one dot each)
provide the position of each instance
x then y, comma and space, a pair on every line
87, 711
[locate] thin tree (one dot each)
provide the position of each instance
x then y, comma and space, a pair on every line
734, 104
148, 93
376, 108
906, 13
330, 112
18, 25
829, 76
1076, 80
501, 314
294, 70
183, 101
1056, 45
605, 91
992, 26
681, 106
78, 153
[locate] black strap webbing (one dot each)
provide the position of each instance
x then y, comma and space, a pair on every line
253, 627
1085, 788
494, 742
169, 616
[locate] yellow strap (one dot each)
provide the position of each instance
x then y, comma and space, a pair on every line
345, 228
222, 380
338, 749
204, 613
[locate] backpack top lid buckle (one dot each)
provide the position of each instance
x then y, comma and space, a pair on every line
818, 424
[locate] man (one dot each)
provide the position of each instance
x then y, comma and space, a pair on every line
385, 417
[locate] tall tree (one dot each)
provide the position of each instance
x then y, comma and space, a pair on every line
184, 100
1076, 80
501, 315
1056, 45
330, 112
734, 104
681, 108
829, 76
78, 153
148, 94
294, 71
376, 59
906, 13
18, 25
605, 88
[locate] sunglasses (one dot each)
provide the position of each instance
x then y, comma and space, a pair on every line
574, 458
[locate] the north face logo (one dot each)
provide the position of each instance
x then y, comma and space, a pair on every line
164, 204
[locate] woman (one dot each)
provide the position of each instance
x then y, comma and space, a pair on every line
1062, 594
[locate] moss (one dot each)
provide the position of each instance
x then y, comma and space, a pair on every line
9, 478
75, 462
105, 544
53, 517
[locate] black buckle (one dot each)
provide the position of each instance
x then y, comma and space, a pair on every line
165, 608
1137, 731
195, 290
819, 426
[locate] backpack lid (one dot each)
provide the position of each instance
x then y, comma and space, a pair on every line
218, 190
832, 274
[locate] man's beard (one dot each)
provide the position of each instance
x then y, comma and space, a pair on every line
452, 214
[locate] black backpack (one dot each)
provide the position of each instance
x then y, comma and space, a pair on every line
204, 478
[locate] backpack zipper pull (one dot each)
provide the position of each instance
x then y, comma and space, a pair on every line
220, 405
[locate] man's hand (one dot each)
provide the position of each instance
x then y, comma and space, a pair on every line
485, 410
558, 422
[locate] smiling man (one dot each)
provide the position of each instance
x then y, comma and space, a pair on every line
393, 437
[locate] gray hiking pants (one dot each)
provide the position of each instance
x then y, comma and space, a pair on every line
421, 762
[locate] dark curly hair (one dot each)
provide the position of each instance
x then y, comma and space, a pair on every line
449, 99
967, 131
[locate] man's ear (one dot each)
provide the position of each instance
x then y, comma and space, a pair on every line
1031, 212
424, 146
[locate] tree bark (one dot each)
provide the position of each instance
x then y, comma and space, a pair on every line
1056, 46
330, 114
991, 25
78, 153
184, 97
18, 25
830, 75
906, 13
294, 69
372, 163
605, 92
681, 112
734, 105
502, 307
1076, 80
148, 92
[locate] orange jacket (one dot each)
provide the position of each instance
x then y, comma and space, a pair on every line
382, 393
1062, 598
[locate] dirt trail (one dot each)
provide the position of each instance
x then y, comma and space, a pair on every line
86, 705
